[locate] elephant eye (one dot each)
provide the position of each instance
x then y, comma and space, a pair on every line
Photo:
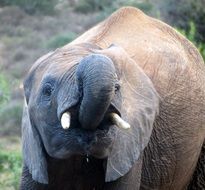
47, 90
117, 87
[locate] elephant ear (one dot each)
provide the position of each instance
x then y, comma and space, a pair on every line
32, 147
139, 107
33, 154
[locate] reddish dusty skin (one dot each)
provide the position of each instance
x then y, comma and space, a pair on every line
144, 45
170, 61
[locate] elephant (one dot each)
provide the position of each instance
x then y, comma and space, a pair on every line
122, 107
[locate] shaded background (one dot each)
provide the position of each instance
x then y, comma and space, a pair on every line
31, 28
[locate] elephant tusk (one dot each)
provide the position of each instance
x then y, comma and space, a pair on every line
65, 120
117, 120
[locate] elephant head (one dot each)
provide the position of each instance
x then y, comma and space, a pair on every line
83, 100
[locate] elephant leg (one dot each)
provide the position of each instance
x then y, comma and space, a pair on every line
198, 179
131, 181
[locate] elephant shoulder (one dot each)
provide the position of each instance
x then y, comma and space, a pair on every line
111, 29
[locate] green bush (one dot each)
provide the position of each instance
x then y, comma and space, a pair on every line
60, 40
191, 34
10, 111
179, 13
201, 47
10, 118
145, 5
85, 6
107, 6
32, 6
10, 169
4, 90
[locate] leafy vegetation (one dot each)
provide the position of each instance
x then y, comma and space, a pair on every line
10, 111
180, 13
86, 6
191, 34
31, 6
10, 118
10, 166
60, 40
4, 90
107, 6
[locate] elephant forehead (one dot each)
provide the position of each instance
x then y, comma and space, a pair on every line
59, 63
56, 65
59, 67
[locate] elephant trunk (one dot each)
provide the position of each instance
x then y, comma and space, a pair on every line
96, 80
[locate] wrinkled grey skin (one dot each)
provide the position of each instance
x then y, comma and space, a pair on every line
89, 88
162, 99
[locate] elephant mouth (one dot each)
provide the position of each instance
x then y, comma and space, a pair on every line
79, 141
112, 116
97, 143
